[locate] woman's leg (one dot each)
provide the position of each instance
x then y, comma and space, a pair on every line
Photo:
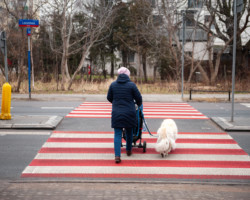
118, 141
129, 139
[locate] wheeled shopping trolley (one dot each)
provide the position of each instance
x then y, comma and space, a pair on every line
137, 131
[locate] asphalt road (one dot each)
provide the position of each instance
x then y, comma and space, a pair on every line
18, 147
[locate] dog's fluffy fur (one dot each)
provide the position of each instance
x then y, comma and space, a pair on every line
167, 135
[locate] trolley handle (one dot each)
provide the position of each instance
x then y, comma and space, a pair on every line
140, 109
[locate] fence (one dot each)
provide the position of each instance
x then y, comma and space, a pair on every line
215, 91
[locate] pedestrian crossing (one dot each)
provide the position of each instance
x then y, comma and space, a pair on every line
84, 154
150, 110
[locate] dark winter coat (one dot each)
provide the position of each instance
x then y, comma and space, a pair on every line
122, 94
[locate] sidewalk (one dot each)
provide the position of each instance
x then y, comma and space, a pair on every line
51, 122
121, 190
31, 122
211, 97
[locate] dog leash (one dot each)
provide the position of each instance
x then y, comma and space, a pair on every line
140, 108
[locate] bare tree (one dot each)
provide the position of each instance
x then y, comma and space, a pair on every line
172, 23
221, 17
58, 17
99, 14
16, 10
75, 36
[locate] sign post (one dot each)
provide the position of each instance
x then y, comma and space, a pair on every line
28, 23
3, 46
238, 7
29, 62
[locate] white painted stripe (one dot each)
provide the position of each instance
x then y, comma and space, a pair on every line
225, 121
142, 156
144, 110
135, 170
246, 104
24, 133
145, 103
55, 108
111, 135
145, 113
148, 116
149, 145
145, 107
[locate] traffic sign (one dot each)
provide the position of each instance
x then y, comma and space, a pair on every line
239, 6
28, 31
28, 23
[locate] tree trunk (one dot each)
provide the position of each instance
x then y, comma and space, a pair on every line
84, 54
63, 79
203, 74
112, 63
20, 61
144, 64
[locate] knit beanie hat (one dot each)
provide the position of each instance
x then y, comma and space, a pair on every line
124, 70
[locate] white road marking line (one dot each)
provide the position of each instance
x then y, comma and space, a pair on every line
111, 135
55, 108
148, 116
149, 145
146, 113
25, 133
110, 156
246, 104
136, 170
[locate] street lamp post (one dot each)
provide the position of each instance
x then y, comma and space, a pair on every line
238, 7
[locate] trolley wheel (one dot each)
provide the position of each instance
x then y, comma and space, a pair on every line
144, 146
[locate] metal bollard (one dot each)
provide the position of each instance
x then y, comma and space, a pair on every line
190, 94
6, 101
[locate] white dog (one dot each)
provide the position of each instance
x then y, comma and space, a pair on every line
167, 135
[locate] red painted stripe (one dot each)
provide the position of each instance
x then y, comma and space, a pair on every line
111, 132
149, 140
151, 176
149, 108
207, 141
143, 163
157, 117
144, 111
152, 114
149, 151
202, 133
144, 103
144, 106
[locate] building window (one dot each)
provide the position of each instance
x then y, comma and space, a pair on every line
207, 21
195, 3
157, 20
190, 21
131, 57
153, 4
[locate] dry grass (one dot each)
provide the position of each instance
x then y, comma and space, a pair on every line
91, 87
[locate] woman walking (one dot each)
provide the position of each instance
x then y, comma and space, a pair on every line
123, 94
